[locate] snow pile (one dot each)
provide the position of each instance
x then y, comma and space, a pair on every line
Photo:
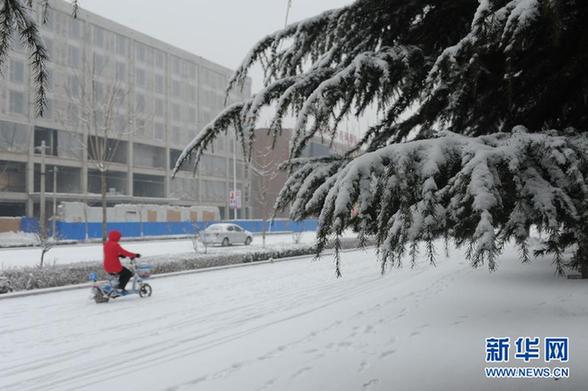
13, 239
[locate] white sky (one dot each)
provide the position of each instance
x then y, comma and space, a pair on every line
221, 31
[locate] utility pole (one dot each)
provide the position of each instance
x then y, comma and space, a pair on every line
235, 178
288, 7
54, 223
42, 226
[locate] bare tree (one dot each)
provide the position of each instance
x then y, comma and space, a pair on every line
100, 98
45, 243
265, 171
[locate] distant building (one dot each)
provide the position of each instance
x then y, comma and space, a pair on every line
267, 181
169, 94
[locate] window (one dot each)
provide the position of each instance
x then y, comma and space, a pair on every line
159, 84
16, 71
99, 63
140, 77
12, 176
120, 122
121, 44
191, 95
159, 107
176, 65
158, 131
214, 166
148, 186
176, 88
116, 182
98, 92
117, 149
74, 88
121, 71
74, 56
214, 191
148, 156
73, 115
75, 28
176, 135
141, 104
99, 39
159, 59
176, 113
16, 102
140, 52
14, 137
68, 179
49, 136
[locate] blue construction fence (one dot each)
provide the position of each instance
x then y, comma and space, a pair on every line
82, 231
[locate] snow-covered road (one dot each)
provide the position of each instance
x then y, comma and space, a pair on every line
294, 326
65, 254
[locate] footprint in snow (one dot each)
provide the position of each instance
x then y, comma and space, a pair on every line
387, 353
300, 372
363, 366
415, 333
370, 383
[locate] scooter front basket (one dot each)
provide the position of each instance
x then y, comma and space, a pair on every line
144, 270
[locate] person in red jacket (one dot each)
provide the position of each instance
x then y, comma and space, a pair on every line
112, 265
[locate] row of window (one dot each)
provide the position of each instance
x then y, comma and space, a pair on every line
69, 179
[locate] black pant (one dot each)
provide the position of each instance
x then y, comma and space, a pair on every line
123, 277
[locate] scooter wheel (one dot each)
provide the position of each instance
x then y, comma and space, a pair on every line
99, 297
145, 290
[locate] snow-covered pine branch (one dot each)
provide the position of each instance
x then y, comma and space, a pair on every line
479, 191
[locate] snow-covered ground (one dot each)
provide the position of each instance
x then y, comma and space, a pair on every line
294, 326
64, 254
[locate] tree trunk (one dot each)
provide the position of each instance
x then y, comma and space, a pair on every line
103, 189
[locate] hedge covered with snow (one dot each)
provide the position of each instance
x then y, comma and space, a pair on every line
60, 275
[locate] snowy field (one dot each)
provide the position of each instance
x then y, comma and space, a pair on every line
64, 254
294, 326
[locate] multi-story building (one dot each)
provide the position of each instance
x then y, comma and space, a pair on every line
142, 98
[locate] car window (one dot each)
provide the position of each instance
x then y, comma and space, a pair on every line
230, 228
237, 228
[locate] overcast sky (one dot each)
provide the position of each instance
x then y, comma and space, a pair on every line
219, 30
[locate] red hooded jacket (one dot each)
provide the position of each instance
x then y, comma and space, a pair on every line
113, 250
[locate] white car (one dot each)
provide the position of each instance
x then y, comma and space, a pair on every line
225, 235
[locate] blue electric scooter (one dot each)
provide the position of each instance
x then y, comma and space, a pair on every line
103, 291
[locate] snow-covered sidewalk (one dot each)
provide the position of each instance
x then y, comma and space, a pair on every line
294, 326
65, 254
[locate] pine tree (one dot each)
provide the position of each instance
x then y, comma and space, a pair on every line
484, 112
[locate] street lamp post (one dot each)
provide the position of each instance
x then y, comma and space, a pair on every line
42, 225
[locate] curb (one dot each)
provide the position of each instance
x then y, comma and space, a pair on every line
86, 285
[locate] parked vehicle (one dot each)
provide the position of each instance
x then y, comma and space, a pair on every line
225, 235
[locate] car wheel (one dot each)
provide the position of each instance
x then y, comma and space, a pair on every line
248, 241
225, 242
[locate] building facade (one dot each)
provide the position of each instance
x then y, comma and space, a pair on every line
120, 100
